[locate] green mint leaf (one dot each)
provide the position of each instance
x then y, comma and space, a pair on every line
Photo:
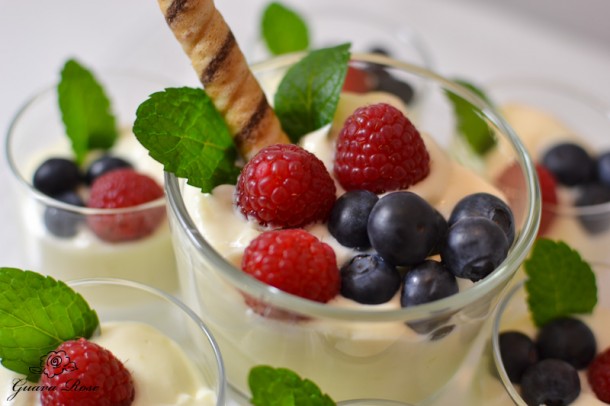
181, 128
283, 30
282, 387
38, 313
85, 110
470, 123
560, 282
309, 92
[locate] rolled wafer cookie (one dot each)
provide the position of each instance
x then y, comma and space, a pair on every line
222, 69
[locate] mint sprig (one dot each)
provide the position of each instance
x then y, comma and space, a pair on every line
85, 110
283, 29
307, 96
282, 387
560, 283
182, 129
470, 122
38, 313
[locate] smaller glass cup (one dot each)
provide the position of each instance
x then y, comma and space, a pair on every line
513, 314
56, 236
544, 112
171, 317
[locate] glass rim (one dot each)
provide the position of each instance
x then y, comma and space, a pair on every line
285, 300
221, 389
48, 200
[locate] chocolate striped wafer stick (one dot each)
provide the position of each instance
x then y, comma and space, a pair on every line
222, 69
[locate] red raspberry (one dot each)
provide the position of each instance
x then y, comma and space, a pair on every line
379, 149
285, 186
294, 261
125, 188
548, 190
598, 374
358, 80
85, 374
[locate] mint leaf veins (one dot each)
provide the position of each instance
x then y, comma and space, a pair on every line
283, 30
38, 313
85, 110
470, 123
309, 92
182, 129
560, 282
282, 387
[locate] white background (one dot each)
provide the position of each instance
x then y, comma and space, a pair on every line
565, 40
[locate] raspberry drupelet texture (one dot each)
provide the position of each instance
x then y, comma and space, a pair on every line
294, 261
598, 374
124, 188
379, 149
101, 378
285, 186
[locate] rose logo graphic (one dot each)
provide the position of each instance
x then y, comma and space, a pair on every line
55, 363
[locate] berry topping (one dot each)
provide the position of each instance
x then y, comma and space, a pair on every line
358, 80
427, 282
81, 364
119, 189
570, 164
474, 247
403, 228
294, 261
518, 353
589, 195
548, 189
603, 168
368, 279
379, 149
103, 164
64, 223
349, 217
598, 375
488, 206
550, 382
567, 339
55, 176
285, 186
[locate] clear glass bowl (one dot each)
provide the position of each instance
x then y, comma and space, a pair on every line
543, 112
513, 314
37, 133
358, 352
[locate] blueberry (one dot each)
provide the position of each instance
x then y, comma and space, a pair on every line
567, 339
518, 353
349, 217
474, 247
427, 282
570, 164
488, 206
368, 279
442, 228
603, 168
403, 228
390, 84
550, 382
103, 165
55, 176
64, 223
589, 195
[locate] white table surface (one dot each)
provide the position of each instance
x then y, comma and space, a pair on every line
477, 39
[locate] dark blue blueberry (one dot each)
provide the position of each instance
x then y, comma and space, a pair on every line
442, 228
570, 164
488, 206
390, 84
368, 279
349, 217
567, 339
55, 176
589, 195
403, 228
104, 164
518, 352
64, 223
550, 382
474, 247
427, 282
603, 168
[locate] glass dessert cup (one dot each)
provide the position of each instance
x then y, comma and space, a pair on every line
37, 133
542, 112
513, 314
379, 356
